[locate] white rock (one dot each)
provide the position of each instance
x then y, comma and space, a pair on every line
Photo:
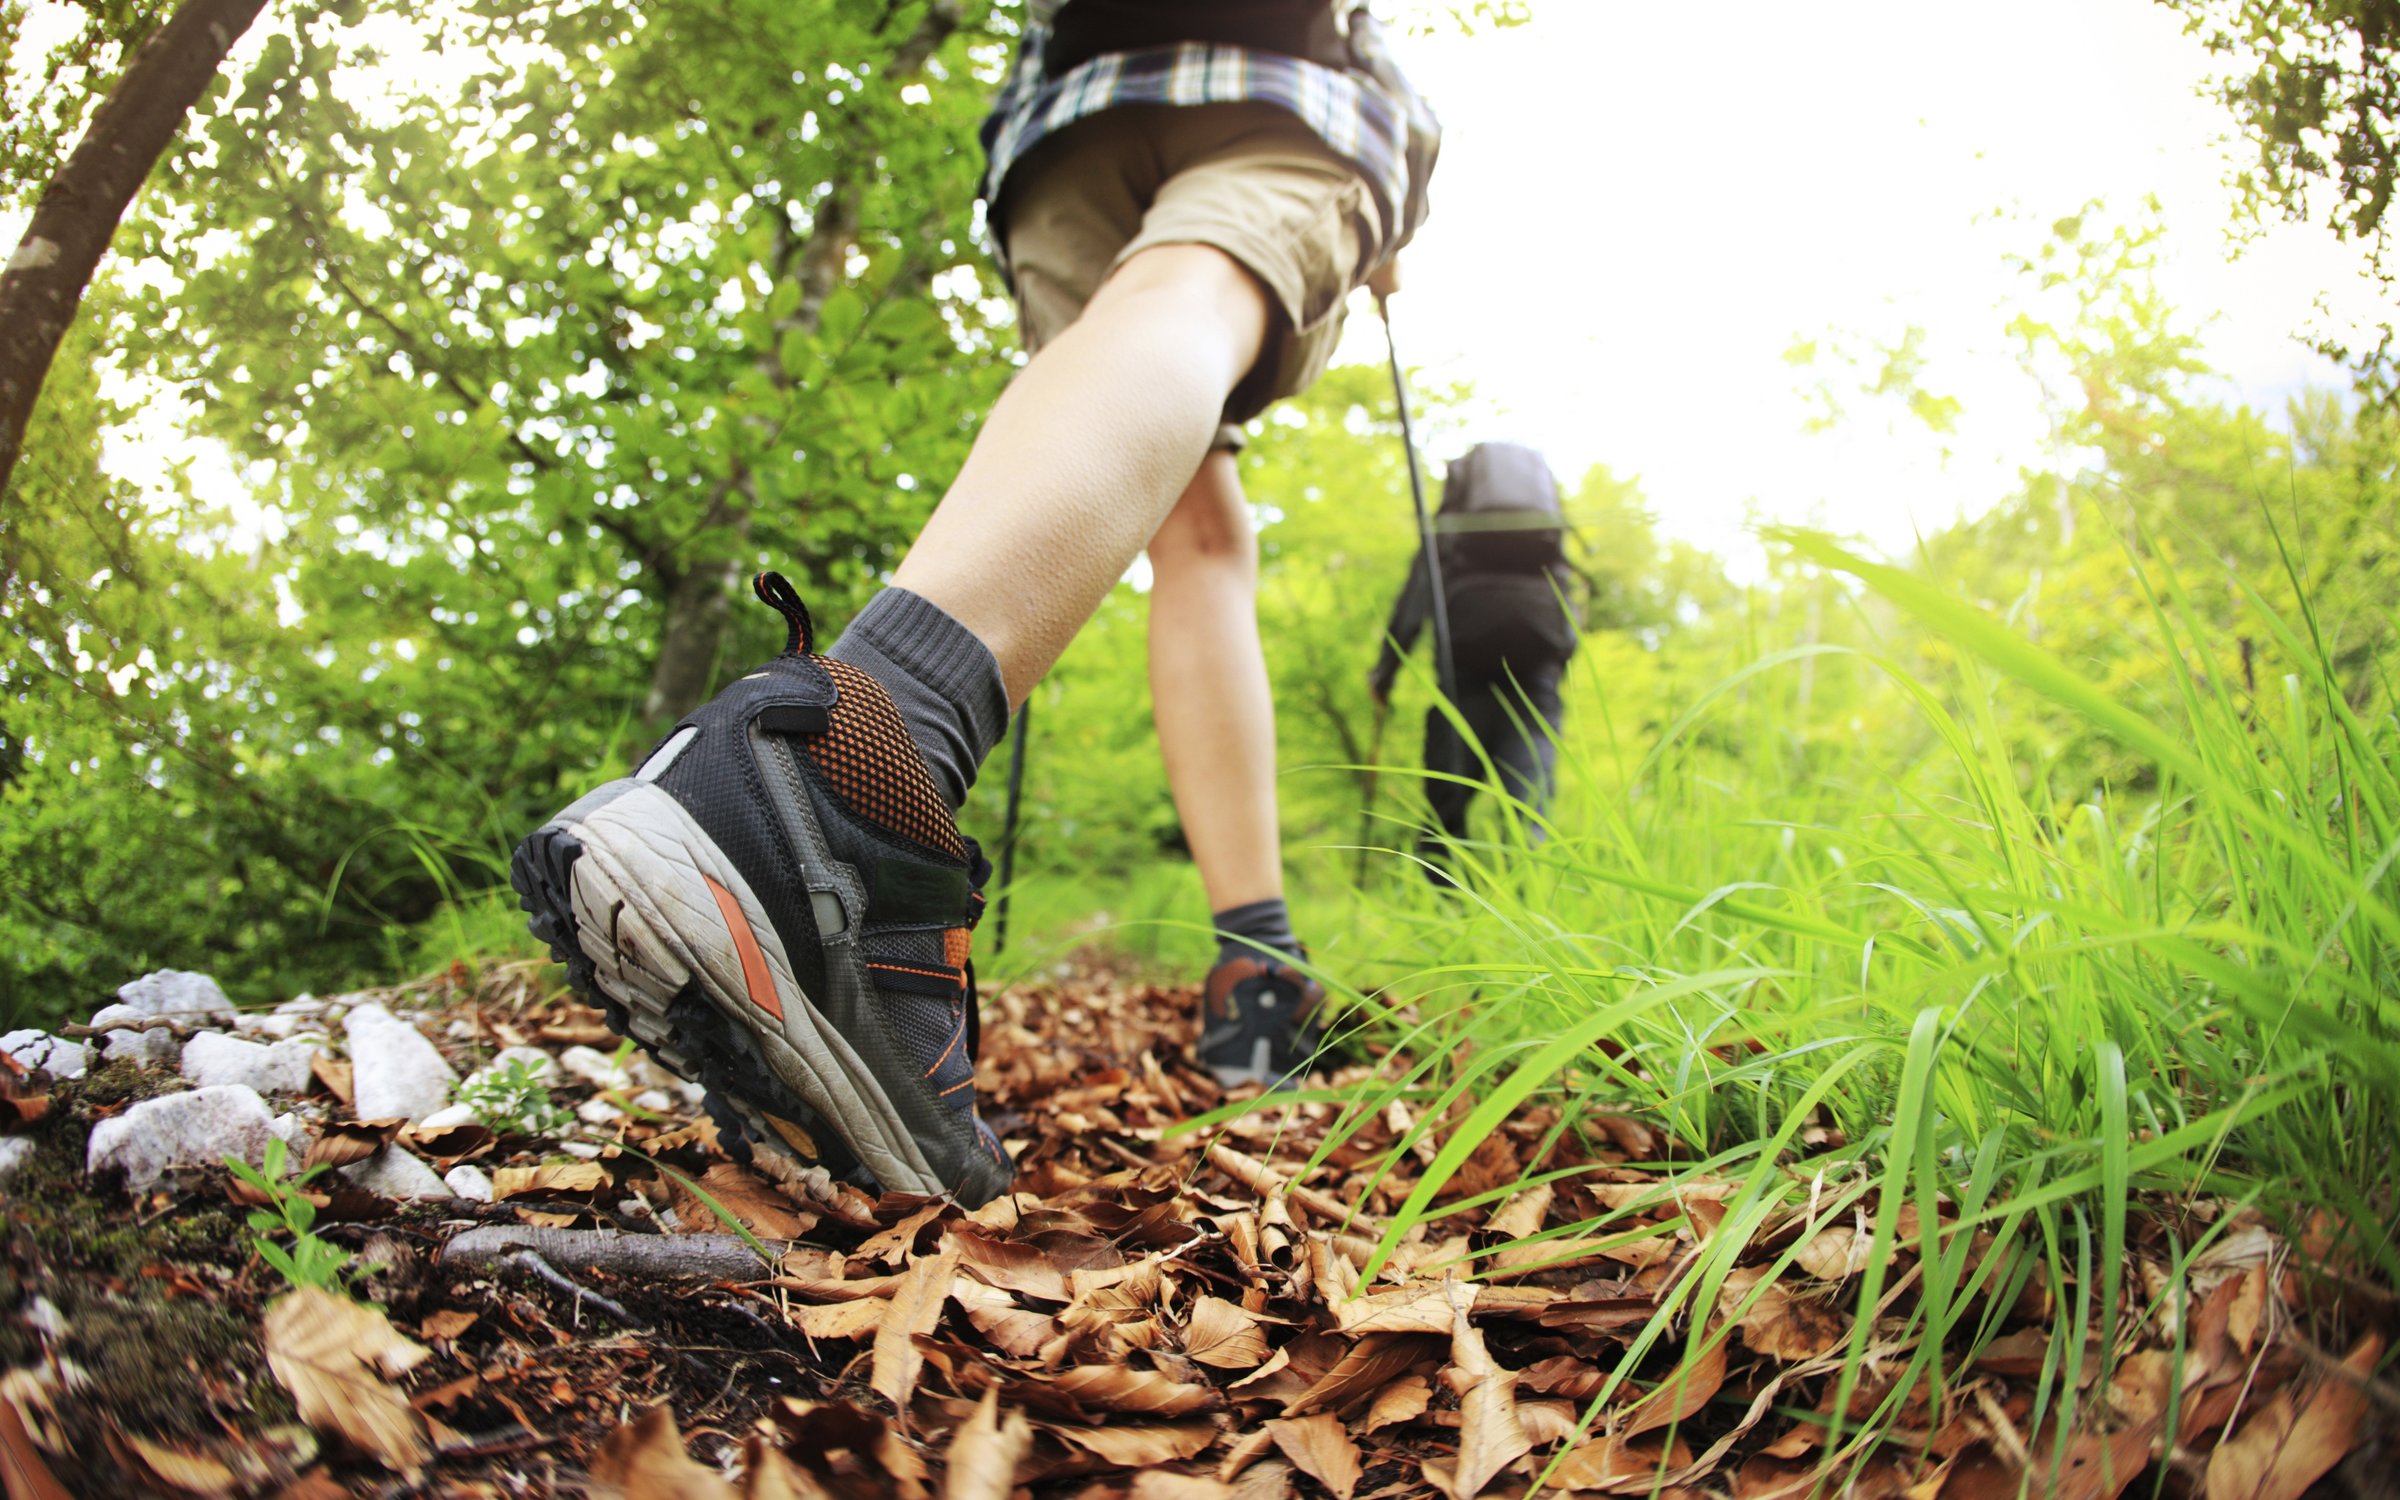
654, 1100
15, 1153
595, 1068
44, 1318
212, 1057
272, 1025
580, 1150
538, 1065
196, 1129
303, 1005
460, 1030
39, 1049
448, 1117
290, 1129
193, 998
469, 1183
396, 1174
598, 1112
395, 1073
156, 1047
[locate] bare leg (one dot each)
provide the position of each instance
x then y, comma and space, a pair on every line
1085, 453
1208, 685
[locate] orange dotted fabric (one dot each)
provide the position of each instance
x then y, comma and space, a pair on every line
956, 943
868, 759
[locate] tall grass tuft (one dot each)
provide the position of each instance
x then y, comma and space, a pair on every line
1954, 981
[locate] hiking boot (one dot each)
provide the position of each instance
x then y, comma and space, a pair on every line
1258, 1021
777, 905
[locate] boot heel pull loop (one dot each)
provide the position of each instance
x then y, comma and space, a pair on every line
800, 637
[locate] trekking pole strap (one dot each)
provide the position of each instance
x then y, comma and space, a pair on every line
1444, 671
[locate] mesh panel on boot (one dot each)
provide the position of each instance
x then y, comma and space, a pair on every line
867, 758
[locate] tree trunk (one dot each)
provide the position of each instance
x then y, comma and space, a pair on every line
44, 281
699, 603
699, 598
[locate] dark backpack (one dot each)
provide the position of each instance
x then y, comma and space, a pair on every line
1084, 29
1500, 511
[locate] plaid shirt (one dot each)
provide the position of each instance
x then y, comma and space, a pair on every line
1368, 115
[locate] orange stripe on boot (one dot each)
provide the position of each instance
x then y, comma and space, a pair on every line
755, 973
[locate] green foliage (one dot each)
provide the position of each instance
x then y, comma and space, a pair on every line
2313, 83
526, 360
45, 100
513, 1100
309, 1261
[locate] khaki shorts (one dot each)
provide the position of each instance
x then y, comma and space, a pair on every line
1249, 179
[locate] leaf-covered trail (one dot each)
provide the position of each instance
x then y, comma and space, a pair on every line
1153, 1313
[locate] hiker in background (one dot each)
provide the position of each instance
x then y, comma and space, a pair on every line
1506, 581
1183, 193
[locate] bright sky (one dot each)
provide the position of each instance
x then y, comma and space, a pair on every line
1641, 206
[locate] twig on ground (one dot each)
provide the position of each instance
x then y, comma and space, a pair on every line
702, 1257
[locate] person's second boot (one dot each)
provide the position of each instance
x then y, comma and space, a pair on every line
778, 905
1259, 1021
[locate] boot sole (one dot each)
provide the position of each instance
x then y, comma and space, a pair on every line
660, 932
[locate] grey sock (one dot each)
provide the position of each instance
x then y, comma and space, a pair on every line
1242, 929
944, 681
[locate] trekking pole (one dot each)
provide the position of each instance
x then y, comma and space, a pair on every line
1443, 672
1008, 827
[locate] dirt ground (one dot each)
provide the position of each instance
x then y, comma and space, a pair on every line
1155, 1313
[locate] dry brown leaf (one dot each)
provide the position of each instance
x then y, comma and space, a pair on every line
1124, 1388
1833, 1254
335, 1074
1364, 1369
984, 1453
1778, 1324
1427, 1307
1404, 1400
24, 1475
345, 1141
1140, 1445
916, 1307
1489, 1436
644, 1460
572, 1179
1618, 1466
892, 1246
2291, 1441
1166, 1484
749, 1198
843, 1320
448, 1323
1679, 1395
1224, 1335
2095, 1467
1013, 1330
1268, 1479
334, 1355
1024, 1269
768, 1475
195, 1473
1321, 1449
1523, 1213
